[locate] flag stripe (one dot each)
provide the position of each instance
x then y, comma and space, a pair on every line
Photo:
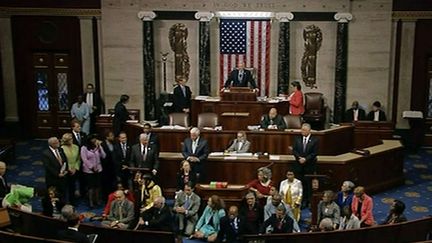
246, 41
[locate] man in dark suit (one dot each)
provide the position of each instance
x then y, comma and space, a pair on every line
182, 97
158, 217
305, 151
122, 155
153, 139
240, 77
4, 188
196, 150
56, 169
145, 156
95, 104
355, 113
273, 120
231, 226
78, 137
71, 233
121, 115
279, 222
376, 114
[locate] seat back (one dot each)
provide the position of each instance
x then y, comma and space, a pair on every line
179, 118
208, 119
314, 104
293, 121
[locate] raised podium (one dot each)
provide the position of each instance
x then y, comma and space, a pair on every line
239, 94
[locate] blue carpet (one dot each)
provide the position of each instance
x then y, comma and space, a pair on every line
416, 193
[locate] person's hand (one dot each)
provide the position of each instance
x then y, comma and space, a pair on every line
223, 89
72, 171
114, 223
256, 90
125, 167
302, 160
141, 221
186, 110
154, 171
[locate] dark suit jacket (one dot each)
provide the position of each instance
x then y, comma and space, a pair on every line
233, 79
252, 226
119, 159
180, 180
158, 219
310, 153
121, 115
349, 115
4, 188
278, 120
97, 102
52, 169
48, 208
227, 232
382, 116
153, 141
202, 152
83, 139
287, 224
180, 101
152, 159
73, 236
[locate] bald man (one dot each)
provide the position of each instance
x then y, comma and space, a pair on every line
273, 121
121, 212
231, 226
145, 155
55, 163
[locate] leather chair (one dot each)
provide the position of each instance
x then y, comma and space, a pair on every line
314, 110
179, 118
293, 122
207, 120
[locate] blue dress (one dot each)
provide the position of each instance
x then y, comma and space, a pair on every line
209, 223
81, 112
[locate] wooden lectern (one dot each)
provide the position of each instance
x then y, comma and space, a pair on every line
239, 94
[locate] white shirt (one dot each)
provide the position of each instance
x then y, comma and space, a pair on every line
89, 100
194, 145
376, 115
355, 115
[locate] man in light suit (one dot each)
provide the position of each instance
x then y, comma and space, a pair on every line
186, 208
94, 101
182, 96
56, 169
240, 77
121, 212
240, 144
145, 156
305, 151
196, 150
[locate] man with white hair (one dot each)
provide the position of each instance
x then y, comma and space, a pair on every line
158, 217
196, 150
145, 155
56, 167
305, 151
121, 212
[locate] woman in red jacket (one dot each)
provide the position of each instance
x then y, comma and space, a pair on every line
296, 100
362, 206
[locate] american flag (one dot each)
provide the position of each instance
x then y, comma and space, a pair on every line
246, 41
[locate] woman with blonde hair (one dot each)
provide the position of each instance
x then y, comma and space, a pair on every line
73, 157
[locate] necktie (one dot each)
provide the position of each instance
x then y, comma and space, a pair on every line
78, 137
145, 153
234, 225
57, 155
240, 144
240, 77
280, 225
124, 150
183, 90
3, 181
120, 211
187, 202
194, 146
304, 144
288, 198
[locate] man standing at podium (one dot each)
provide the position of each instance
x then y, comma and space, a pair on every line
305, 151
182, 96
240, 77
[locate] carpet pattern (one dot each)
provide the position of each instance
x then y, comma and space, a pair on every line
27, 169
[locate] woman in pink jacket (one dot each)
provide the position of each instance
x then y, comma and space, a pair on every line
362, 206
91, 155
296, 100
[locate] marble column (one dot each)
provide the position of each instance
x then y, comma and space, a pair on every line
284, 52
148, 65
204, 52
341, 66
87, 51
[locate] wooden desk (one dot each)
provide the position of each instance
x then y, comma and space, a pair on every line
232, 195
382, 170
366, 133
254, 109
331, 141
